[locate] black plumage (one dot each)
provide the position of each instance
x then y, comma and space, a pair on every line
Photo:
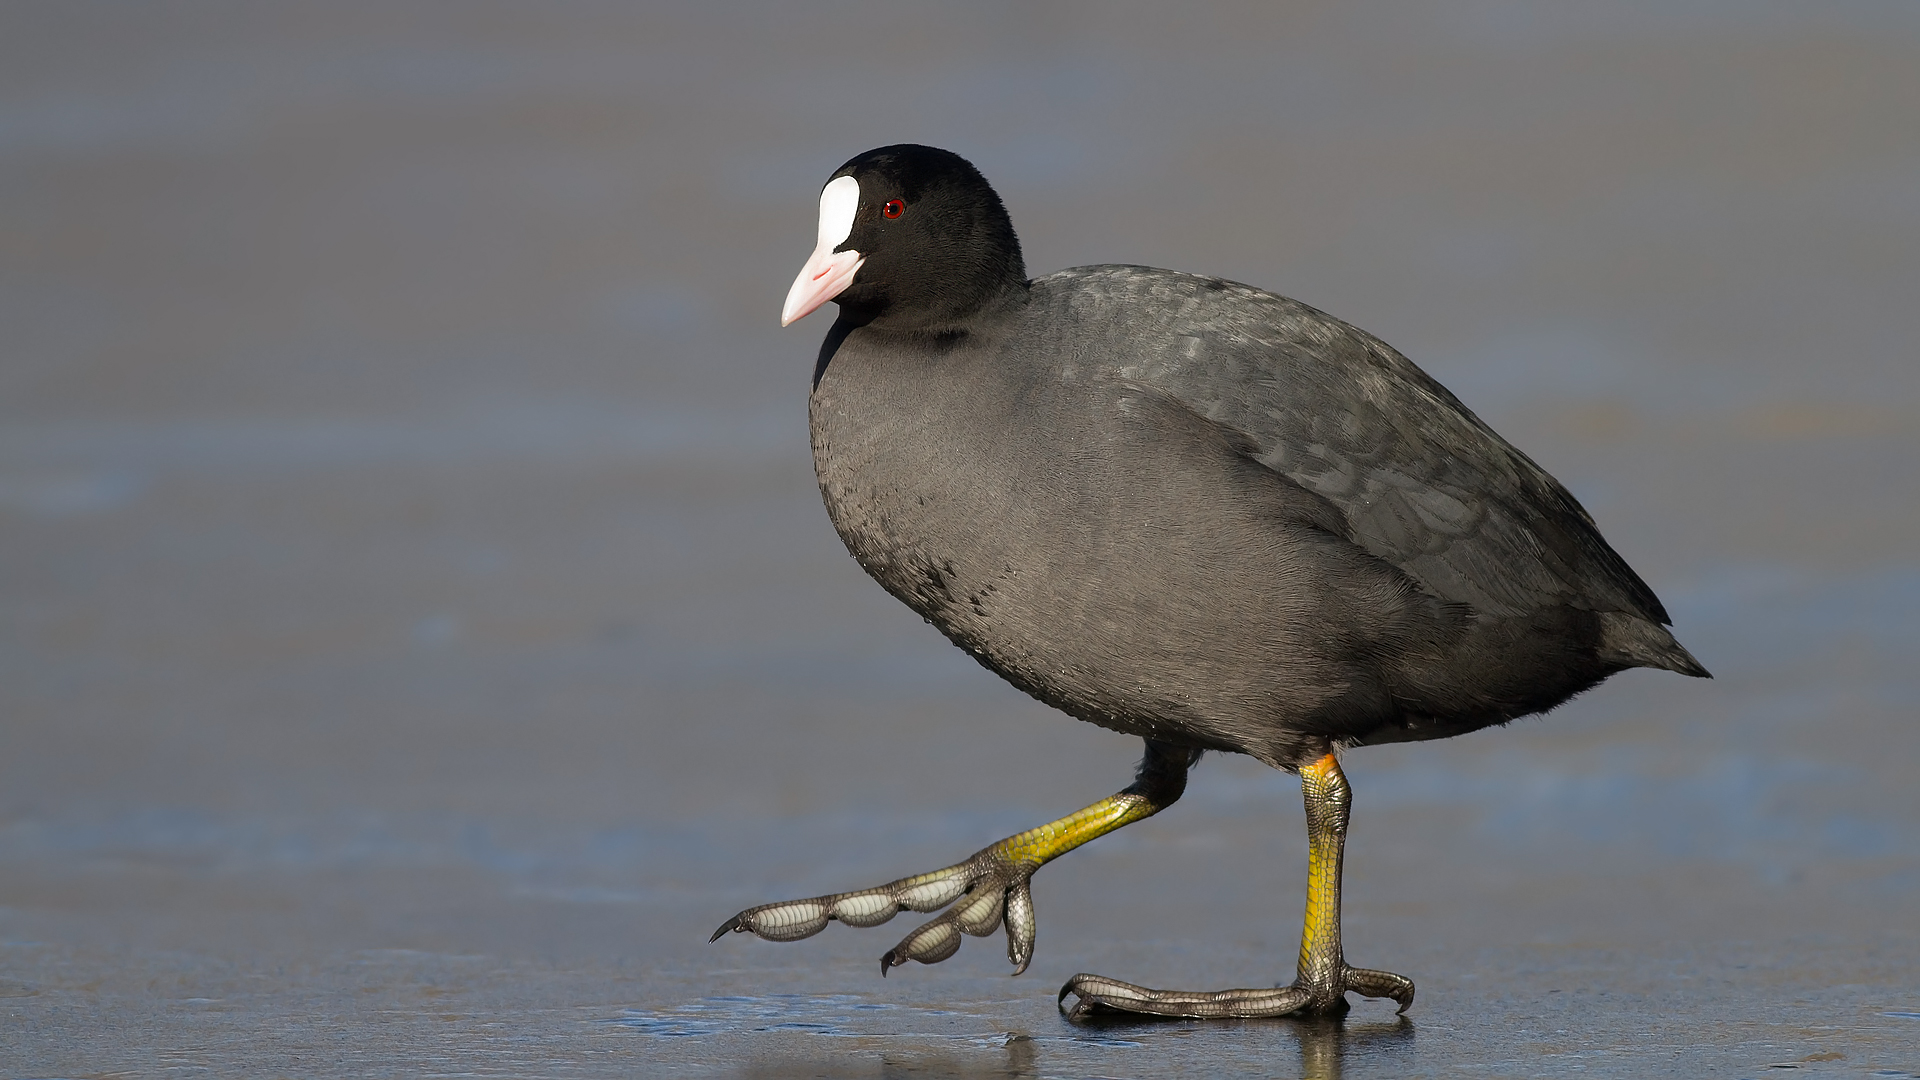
1186, 509
1191, 510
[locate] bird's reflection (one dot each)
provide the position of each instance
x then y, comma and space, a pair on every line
1325, 1047
1021, 1055
1325, 1044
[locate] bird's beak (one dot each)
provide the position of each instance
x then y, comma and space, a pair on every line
827, 272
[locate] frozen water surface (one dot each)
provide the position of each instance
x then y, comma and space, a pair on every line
418, 628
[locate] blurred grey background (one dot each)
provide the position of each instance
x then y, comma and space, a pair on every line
419, 629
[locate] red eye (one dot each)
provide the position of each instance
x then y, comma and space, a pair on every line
894, 209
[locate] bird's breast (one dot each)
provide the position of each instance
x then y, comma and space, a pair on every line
967, 496
912, 496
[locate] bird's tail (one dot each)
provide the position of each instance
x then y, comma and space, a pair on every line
1635, 642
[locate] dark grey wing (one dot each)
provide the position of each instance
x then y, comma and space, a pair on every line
1420, 480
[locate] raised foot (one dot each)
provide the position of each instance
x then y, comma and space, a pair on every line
1097, 996
988, 889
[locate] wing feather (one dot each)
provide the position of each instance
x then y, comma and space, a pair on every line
1421, 481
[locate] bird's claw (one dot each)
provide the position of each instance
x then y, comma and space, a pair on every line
982, 894
1381, 984
1096, 995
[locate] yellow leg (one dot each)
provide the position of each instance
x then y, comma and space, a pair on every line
989, 887
1322, 978
1328, 800
1042, 844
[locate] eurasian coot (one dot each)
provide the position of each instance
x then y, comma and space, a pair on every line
1185, 509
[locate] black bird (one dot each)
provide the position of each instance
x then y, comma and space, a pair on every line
1185, 509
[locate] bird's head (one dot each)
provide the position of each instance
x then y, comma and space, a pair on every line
910, 236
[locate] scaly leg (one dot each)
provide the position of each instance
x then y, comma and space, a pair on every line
1323, 978
990, 887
